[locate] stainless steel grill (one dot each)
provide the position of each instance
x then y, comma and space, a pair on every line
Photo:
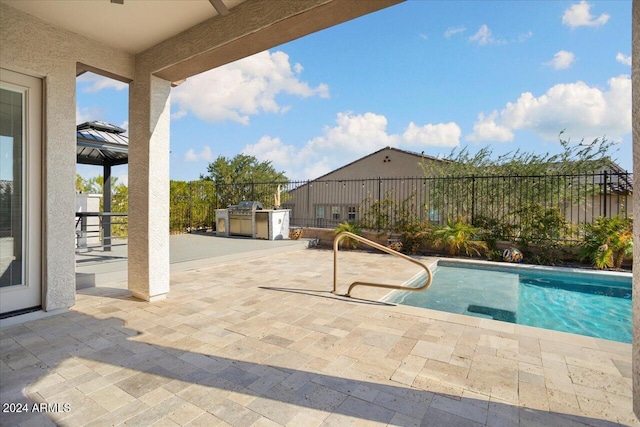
245, 207
242, 217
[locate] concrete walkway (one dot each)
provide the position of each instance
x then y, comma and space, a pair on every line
187, 252
263, 342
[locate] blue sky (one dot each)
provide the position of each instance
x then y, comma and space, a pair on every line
423, 76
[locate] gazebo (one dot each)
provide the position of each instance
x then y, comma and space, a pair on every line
102, 144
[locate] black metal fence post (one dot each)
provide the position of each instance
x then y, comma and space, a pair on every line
190, 206
379, 202
473, 199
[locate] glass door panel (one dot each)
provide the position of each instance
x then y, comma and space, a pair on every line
20, 192
11, 179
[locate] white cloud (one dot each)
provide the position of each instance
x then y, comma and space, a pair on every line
579, 15
125, 125
484, 37
583, 111
486, 129
452, 31
623, 59
271, 148
204, 155
562, 60
88, 114
429, 135
190, 155
423, 36
352, 136
525, 36
96, 83
243, 88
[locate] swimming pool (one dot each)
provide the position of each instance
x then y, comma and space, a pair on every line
595, 304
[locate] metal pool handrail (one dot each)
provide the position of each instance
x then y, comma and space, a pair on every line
368, 242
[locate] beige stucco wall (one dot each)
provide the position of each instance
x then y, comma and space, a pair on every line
387, 163
33, 47
357, 182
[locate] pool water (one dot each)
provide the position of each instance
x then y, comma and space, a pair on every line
595, 304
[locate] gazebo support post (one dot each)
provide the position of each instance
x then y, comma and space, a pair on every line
106, 207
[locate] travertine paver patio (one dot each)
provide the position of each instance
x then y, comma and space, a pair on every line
264, 342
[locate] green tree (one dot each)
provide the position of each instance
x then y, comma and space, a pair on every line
192, 205
244, 177
119, 198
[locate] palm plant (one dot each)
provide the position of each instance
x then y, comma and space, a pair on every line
607, 241
348, 242
459, 236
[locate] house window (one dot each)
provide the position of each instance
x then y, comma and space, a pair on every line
335, 213
320, 221
351, 213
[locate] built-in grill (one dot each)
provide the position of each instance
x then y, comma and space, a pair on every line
242, 218
245, 207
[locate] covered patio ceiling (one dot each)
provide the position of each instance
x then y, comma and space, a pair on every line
130, 25
179, 38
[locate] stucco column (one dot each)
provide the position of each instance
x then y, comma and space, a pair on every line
635, 114
149, 187
59, 168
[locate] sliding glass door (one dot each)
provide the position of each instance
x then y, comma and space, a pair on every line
20, 191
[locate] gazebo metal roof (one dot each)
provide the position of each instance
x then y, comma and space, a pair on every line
102, 144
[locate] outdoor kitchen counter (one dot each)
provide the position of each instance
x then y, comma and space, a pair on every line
267, 224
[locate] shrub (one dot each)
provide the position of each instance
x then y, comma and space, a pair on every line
415, 236
607, 241
459, 236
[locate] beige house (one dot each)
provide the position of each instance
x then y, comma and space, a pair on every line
342, 194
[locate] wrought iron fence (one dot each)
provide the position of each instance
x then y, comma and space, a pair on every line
386, 204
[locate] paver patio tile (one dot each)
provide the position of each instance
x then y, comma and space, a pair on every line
111, 397
61, 387
186, 413
438, 417
158, 395
306, 418
305, 357
165, 422
603, 381
157, 412
234, 414
432, 351
208, 420
537, 380
279, 412
533, 396
141, 383
462, 408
